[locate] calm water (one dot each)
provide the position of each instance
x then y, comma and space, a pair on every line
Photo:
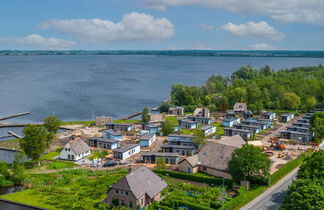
75, 86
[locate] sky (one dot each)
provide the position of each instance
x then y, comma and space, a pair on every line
161, 24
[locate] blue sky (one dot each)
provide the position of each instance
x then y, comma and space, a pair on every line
162, 24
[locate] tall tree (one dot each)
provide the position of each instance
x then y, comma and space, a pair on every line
291, 101
317, 122
249, 163
310, 103
52, 124
145, 115
160, 163
168, 127
37, 139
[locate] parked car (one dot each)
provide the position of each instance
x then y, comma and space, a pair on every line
109, 163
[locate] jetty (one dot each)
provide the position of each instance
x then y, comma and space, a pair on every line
10, 125
14, 115
131, 116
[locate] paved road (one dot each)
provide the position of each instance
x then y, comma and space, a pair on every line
274, 196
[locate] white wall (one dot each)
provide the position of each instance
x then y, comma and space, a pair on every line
64, 154
131, 152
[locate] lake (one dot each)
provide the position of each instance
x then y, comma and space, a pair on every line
73, 87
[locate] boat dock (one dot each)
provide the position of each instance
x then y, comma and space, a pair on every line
14, 115
131, 116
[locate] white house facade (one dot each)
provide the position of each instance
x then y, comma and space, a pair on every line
75, 150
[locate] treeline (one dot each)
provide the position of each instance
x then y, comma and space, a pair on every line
296, 88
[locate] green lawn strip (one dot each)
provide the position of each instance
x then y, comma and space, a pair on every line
245, 197
58, 164
30, 197
50, 155
85, 123
127, 121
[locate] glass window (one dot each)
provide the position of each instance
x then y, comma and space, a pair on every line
116, 191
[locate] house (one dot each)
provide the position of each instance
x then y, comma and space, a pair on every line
303, 120
201, 120
8, 155
254, 128
103, 143
295, 135
139, 188
269, 115
234, 141
152, 128
188, 124
298, 129
286, 117
208, 129
299, 124
127, 151
103, 120
151, 157
230, 114
240, 107
247, 114
230, 122
176, 139
75, 150
119, 126
202, 112
245, 134
111, 134
147, 139
183, 150
212, 159
176, 111
264, 124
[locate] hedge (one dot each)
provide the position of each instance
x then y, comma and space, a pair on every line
286, 169
177, 203
194, 177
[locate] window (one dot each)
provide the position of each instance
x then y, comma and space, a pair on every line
126, 193
130, 204
121, 192
116, 191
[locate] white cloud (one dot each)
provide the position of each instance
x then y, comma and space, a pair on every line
38, 42
297, 11
263, 46
206, 26
260, 30
133, 27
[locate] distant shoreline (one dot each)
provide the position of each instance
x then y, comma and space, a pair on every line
211, 53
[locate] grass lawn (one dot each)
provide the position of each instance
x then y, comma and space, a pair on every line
32, 197
50, 155
68, 189
127, 121
13, 143
85, 123
60, 164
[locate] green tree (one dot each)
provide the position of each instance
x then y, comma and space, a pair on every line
37, 139
164, 107
304, 194
291, 101
18, 170
313, 167
317, 122
249, 163
199, 139
310, 103
160, 163
145, 115
4, 173
245, 72
52, 124
168, 127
